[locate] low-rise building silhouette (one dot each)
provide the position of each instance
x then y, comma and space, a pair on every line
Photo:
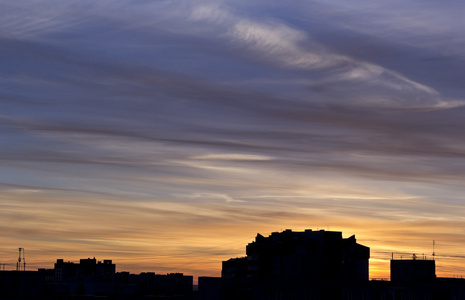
417, 270
88, 277
92, 279
169, 286
22, 284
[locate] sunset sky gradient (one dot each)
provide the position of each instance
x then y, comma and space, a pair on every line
165, 135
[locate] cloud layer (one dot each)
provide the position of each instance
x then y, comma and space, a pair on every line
137, 131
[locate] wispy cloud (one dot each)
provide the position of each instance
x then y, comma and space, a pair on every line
129, 129
210, 196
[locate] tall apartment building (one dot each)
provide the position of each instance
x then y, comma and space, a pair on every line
323, 255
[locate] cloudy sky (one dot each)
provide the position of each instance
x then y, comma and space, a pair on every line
166, 134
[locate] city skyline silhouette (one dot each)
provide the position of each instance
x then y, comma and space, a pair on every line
317, 265
164, 134
20, 263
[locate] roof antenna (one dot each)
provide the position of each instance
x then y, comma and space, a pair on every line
433, 250
18, 264
24, 260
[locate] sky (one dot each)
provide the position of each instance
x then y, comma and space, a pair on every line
165, 135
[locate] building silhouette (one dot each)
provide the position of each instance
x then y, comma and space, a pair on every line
309, 254
92, 279
88, 277
321, 265
288, 265
414, 270
151, 285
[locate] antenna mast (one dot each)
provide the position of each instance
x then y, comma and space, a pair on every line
18, 264
433, 250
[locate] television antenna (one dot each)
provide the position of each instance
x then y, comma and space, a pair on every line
433, 249
23, 259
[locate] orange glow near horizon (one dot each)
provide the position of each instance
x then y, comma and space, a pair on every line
193, 232
199, 251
